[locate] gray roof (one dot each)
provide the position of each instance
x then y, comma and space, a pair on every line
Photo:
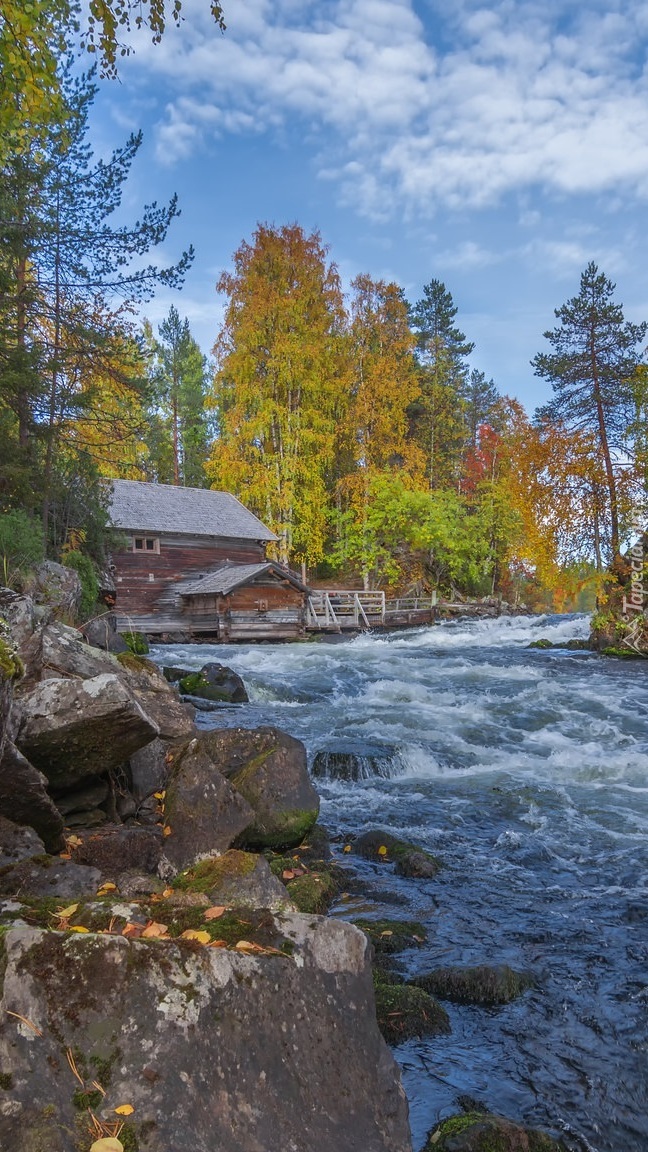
230, 576
139, 507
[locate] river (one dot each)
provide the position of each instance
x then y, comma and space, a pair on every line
526, 771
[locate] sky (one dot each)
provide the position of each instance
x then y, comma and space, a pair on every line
498, 148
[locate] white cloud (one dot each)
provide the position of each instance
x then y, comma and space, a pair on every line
525, 95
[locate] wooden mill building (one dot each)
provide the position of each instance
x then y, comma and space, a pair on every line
192, 563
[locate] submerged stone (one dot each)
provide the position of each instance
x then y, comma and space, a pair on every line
483, 1132
405, 1012
483, 984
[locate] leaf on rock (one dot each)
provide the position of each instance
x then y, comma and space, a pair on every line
159, 795
288, 874
65, 913
107, 1144
167, 830
218, 944
193, 934
382, 851
106, 888
125, 1110
77, 928
156, 931
215, 912
133, 931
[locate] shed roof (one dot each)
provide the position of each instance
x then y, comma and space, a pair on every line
230, 576
140, 507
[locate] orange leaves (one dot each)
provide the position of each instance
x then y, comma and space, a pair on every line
215, 912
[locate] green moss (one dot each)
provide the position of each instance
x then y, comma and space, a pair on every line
192, 684
137, 643
483, 1132
136, 663
82, 1099
6, 1081
410, 859
288, 830
483, 984
11, 666
391, 936
542, 643
314, 892
404, 1012
212, 873
622, 653
128, 1137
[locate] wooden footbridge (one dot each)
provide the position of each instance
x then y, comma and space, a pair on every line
347, 610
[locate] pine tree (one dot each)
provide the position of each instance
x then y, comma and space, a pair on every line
437, 418
180, 432
591, 371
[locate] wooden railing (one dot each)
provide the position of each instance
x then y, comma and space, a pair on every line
345, 609
412, 603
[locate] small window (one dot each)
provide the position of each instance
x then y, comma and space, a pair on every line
146, 544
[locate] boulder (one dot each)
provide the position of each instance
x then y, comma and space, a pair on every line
486, 984
71, 729
92, 795
410, 860
159, 699
404, 1012
102, 633
49, 876
24, 798
58, 587
215, 682
116, 849
18, 842
210, 1047
360, 763
268, 768
236, 880
203, 812
483, 1132
149, 769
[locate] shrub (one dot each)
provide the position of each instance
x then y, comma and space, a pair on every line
84, 567
21, 546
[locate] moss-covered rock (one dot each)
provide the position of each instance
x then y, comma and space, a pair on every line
237, 879
137, 643
314, 891
483, 1132
483, 984
391, 936
542, 643
215, 682
410, 860
404, 1012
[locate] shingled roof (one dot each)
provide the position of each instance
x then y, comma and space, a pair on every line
230, 576
139, 507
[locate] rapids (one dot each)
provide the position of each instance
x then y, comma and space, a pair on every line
526, 771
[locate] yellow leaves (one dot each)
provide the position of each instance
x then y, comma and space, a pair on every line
107, 1144
382, 851
77, 928
347, 848
124, 1110
159, 795
215, 912
200, 937
65, 913
106, 888
166, 830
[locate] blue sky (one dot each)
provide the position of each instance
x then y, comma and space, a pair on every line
498, 148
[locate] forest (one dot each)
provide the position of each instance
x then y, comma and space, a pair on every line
352, 421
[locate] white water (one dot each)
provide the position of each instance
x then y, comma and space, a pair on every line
526, 770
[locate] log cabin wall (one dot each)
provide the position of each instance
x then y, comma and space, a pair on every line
264, 609
145, 581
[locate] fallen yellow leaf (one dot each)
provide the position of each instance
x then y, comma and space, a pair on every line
77, 928
382, 851
215, 912
107, 887
193, 934
249, 946
73, 841
107, 1144
167, 831
347, 848
125, 1110
159, 795
65, 913
167, 892
218, 944
132, 930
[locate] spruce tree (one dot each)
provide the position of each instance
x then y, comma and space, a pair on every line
592, 370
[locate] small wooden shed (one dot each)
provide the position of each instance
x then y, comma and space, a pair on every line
191, 561
246, 602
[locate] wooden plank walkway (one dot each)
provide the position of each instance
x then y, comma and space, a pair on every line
353, 610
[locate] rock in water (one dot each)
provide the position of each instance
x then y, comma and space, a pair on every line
268, 768
215, 682
210, 1047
